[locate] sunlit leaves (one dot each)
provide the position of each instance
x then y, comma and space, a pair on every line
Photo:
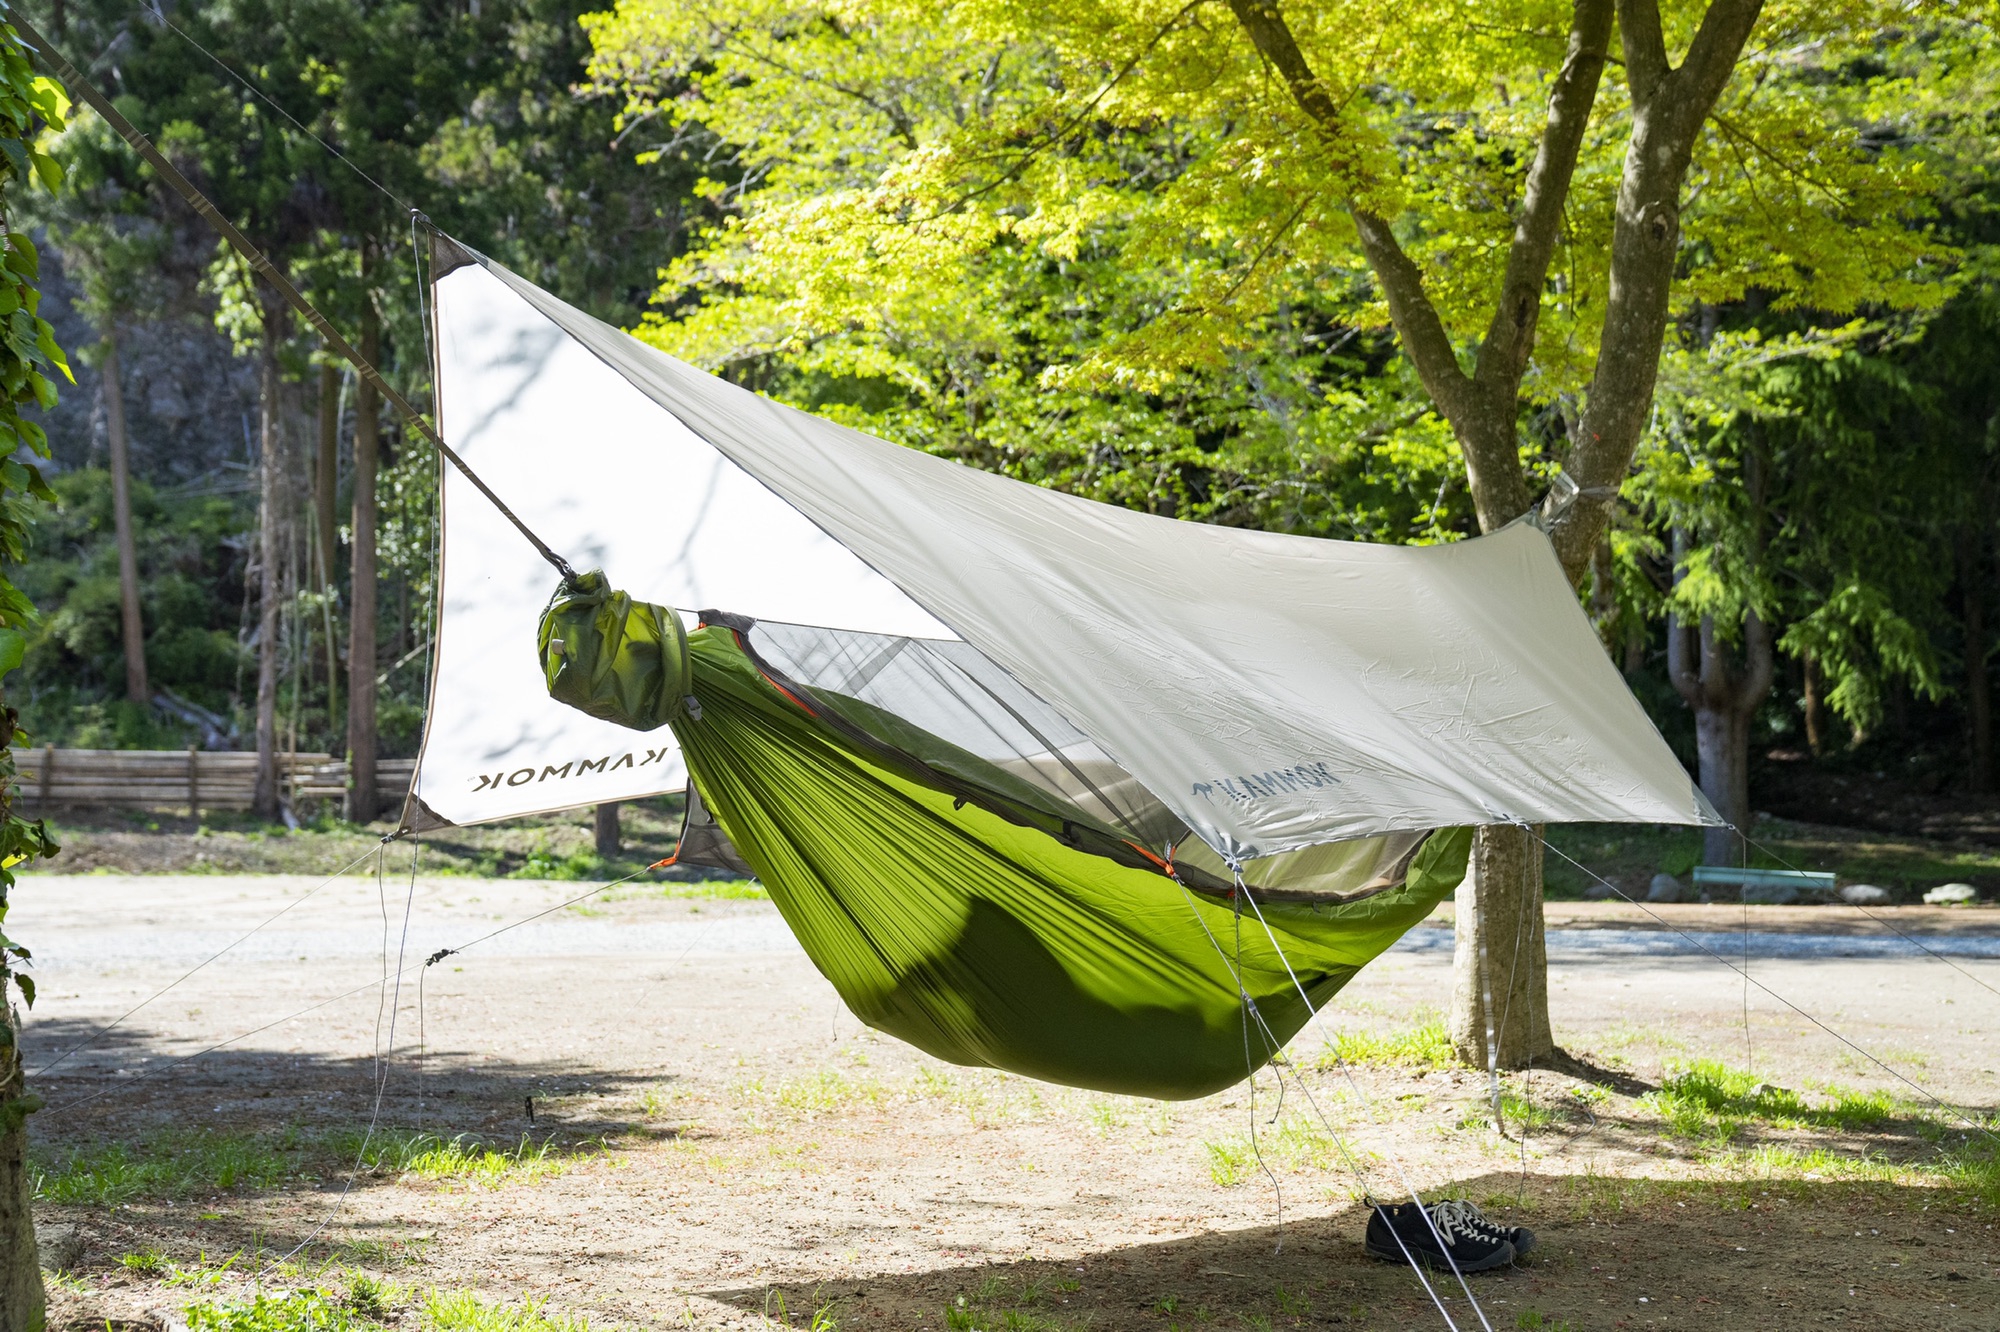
29, 105
884, 167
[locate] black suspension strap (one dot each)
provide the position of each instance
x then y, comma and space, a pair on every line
98, 102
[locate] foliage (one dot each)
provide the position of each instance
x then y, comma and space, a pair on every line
28, 104
1096, 246
1425, 1046
427, 1156
1838, 475
470, 114
1707, 1099
193, 564
166, 1164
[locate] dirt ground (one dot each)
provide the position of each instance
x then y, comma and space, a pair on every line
728, 1148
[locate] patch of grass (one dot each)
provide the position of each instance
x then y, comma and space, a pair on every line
1707, 1100
1534, 1320
1424, 1046
175, 1164
149, 1261
546, 861
698, 890
371, 1297
427, 1156
1628, 854
268, 1310
1297, 1144
984, 1098
829, 1090
1524, 1114
462, 1311
363, 1307
659, 1102
1000, 1305
1973, 1168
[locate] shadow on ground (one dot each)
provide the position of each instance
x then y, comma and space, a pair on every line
1611, 1253
123, 1088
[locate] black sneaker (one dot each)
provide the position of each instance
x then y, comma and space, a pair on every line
1522, 1238
1442, 1234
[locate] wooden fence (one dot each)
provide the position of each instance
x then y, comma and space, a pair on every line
192, 779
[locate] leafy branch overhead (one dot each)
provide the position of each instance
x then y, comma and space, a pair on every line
30, 105
1008, 212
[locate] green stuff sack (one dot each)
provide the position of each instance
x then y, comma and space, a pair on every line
617, 659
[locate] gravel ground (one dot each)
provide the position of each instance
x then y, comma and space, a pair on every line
734, 1150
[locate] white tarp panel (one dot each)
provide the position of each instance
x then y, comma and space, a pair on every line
602, 474
1275, 691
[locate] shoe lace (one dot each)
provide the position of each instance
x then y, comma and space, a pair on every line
1456, 1219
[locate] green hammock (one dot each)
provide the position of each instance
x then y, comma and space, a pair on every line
958, 907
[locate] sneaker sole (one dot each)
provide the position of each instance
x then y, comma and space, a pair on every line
1522, 1240
1500, 1257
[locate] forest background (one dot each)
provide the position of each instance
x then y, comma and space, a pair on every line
998, 243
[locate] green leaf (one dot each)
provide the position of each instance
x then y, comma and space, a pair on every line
45, 342
27, 984
51, 99
13, 647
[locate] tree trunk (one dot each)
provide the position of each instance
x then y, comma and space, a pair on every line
1501, 951
1670, 106
607, 830
363, 799
1978, 688
1815, 706
133, 627
326, 488
1724, 695
1722, 745
326, 479
270, 581
22, 1302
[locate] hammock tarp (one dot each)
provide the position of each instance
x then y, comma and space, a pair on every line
998, 753
956, 907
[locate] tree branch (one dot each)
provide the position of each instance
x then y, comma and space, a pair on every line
1416, 319
1510, 338
1645, 47
1758, 664
1682, 655
1712, 56
1645, 244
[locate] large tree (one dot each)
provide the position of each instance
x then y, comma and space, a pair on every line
1152, 203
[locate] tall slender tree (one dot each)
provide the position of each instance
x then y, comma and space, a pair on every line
364, 801
272, 513
132, 626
